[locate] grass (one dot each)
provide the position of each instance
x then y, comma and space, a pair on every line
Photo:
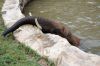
13, 53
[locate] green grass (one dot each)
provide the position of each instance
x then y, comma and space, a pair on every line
13, 53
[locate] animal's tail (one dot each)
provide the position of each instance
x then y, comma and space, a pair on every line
23, 21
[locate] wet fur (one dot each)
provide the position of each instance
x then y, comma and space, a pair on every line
48, 26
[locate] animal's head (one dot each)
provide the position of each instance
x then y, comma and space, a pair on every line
73, 40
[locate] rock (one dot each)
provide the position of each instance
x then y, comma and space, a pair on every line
42, 62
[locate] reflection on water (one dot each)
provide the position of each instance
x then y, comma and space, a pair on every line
82, 16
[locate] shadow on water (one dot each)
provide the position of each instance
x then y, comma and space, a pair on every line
91, 46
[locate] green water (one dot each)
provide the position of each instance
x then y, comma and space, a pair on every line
82, 16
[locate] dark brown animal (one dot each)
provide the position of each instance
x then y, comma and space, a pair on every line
48, 26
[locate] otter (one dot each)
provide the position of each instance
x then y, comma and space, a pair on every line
48, 26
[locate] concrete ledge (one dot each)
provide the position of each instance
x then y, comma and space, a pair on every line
51, 46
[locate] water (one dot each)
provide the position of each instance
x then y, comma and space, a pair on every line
82, 16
